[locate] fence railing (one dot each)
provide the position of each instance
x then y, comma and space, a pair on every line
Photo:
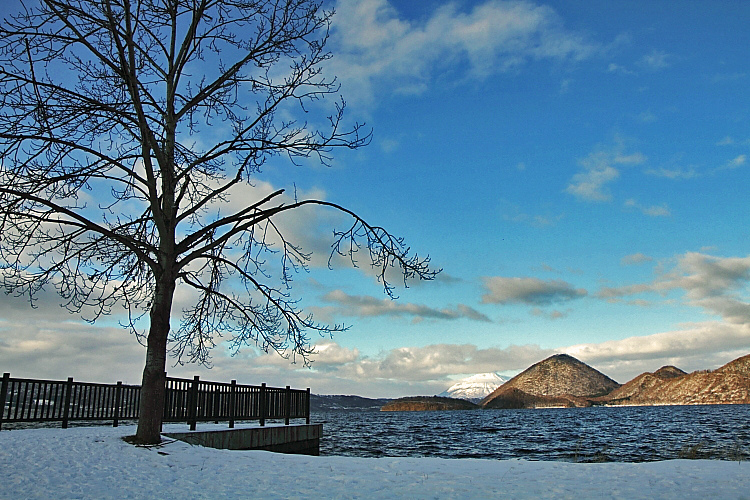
186, 400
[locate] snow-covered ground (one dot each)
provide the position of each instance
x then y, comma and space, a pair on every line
93, 462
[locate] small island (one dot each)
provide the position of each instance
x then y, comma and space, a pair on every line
428, 403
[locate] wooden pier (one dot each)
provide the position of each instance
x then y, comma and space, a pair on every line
302, 439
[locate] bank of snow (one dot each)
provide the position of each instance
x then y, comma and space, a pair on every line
95, 463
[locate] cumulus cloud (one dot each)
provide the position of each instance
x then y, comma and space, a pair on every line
600, 169
717, 284
373, 44
532, 291
429, 369
695, 346
307, 227
310, 228
439, 361
365, 306
397, 372
41, 345
589, 185
328, 353
57, 349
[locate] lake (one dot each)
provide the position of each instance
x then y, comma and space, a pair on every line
597, 434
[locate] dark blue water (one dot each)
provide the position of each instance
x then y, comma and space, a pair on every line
599, 434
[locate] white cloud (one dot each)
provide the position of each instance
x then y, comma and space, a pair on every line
619, 69
696, 346
532, 291
673, 173
429, 369
515, 214
601, 168
549, 315
37, 344
389, 145
652, 211
438, 362
631, 159
718, 285
45, 348
635, 259
41, 343
590, 184
737, 162
374, 45
657, 59
329, 353
366, 306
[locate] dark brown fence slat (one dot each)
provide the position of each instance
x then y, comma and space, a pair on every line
66, 407
118, 404
262, 403
3, 396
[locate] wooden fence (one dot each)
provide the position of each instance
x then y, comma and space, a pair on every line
191, 401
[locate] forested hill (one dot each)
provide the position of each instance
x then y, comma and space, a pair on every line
729, 384
344, 403
428, 403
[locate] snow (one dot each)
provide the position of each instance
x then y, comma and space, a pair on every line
475, 387
94, 462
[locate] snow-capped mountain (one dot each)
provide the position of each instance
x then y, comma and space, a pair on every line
476, 387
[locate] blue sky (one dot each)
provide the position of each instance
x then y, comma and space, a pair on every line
578, 170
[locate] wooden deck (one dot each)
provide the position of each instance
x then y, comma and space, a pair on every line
300, 439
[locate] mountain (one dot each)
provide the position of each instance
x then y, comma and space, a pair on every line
475, 388
560, 380
344, 403
729, 384
428, 403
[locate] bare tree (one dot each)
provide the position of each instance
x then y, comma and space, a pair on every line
125, 126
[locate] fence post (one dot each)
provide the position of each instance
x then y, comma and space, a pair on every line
232, 397
287, 405
66, 404
193, 402
307, 407
262, 404
3, 392
118, 403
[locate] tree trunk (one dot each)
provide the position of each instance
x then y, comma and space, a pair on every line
154, 375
